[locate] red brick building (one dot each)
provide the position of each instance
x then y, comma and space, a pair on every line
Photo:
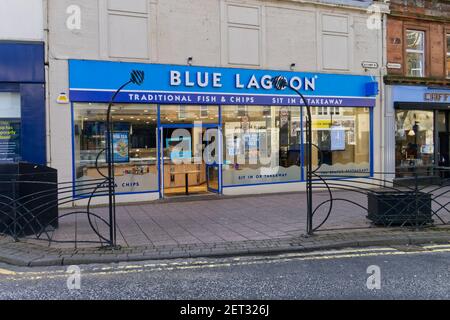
417, 116
418, 41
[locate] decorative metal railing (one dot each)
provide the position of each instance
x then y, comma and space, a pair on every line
386, 201
34, 210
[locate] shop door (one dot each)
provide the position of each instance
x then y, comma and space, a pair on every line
212, 136
443, 154
212, 177
185, 170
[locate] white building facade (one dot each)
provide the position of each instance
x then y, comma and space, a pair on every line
207, 119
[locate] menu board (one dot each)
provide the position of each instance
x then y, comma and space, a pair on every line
9, 140
121, 147
337, 138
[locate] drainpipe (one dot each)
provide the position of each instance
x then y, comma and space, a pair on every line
46, 10
383, 71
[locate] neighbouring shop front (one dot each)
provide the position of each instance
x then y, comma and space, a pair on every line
190, 129
422, 131
22, 103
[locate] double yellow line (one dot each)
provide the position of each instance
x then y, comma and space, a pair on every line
6, 274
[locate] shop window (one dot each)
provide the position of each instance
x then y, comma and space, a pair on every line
10, 127
414, 142
261, 145
415, 53
135, 145
341, 141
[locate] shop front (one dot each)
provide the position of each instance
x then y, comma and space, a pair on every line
422, 131
193, 130
22, 103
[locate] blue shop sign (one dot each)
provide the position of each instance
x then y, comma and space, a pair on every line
96, 81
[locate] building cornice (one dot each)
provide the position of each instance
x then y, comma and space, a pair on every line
428, 10
381, 5
400, 15
394, 79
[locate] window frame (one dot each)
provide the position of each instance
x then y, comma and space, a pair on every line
447, 52
423, 51
85, 194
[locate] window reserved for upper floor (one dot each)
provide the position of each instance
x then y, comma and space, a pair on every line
415, 53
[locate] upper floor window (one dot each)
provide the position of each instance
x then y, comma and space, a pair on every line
448, 55
415, 53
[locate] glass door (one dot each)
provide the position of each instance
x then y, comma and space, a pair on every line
212, 156
212, 177
183, 169
188, 153
443, 154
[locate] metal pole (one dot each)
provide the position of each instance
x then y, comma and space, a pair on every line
309, 173
280, 83
110, 161
14, 198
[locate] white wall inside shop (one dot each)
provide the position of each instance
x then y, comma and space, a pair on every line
22, 20
242, 34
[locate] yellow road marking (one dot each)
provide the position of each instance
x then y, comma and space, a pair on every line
185, 265
436, 246
7, 272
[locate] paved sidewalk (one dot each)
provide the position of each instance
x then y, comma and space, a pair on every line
26, 254
219, 219
213, 227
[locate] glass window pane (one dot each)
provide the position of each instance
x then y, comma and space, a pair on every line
341, 142
414, 142
448, 43
9, 105
261, 145
189, 114
414, 64
10, 127
136, 161
415, 40
448, 66
448, 55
